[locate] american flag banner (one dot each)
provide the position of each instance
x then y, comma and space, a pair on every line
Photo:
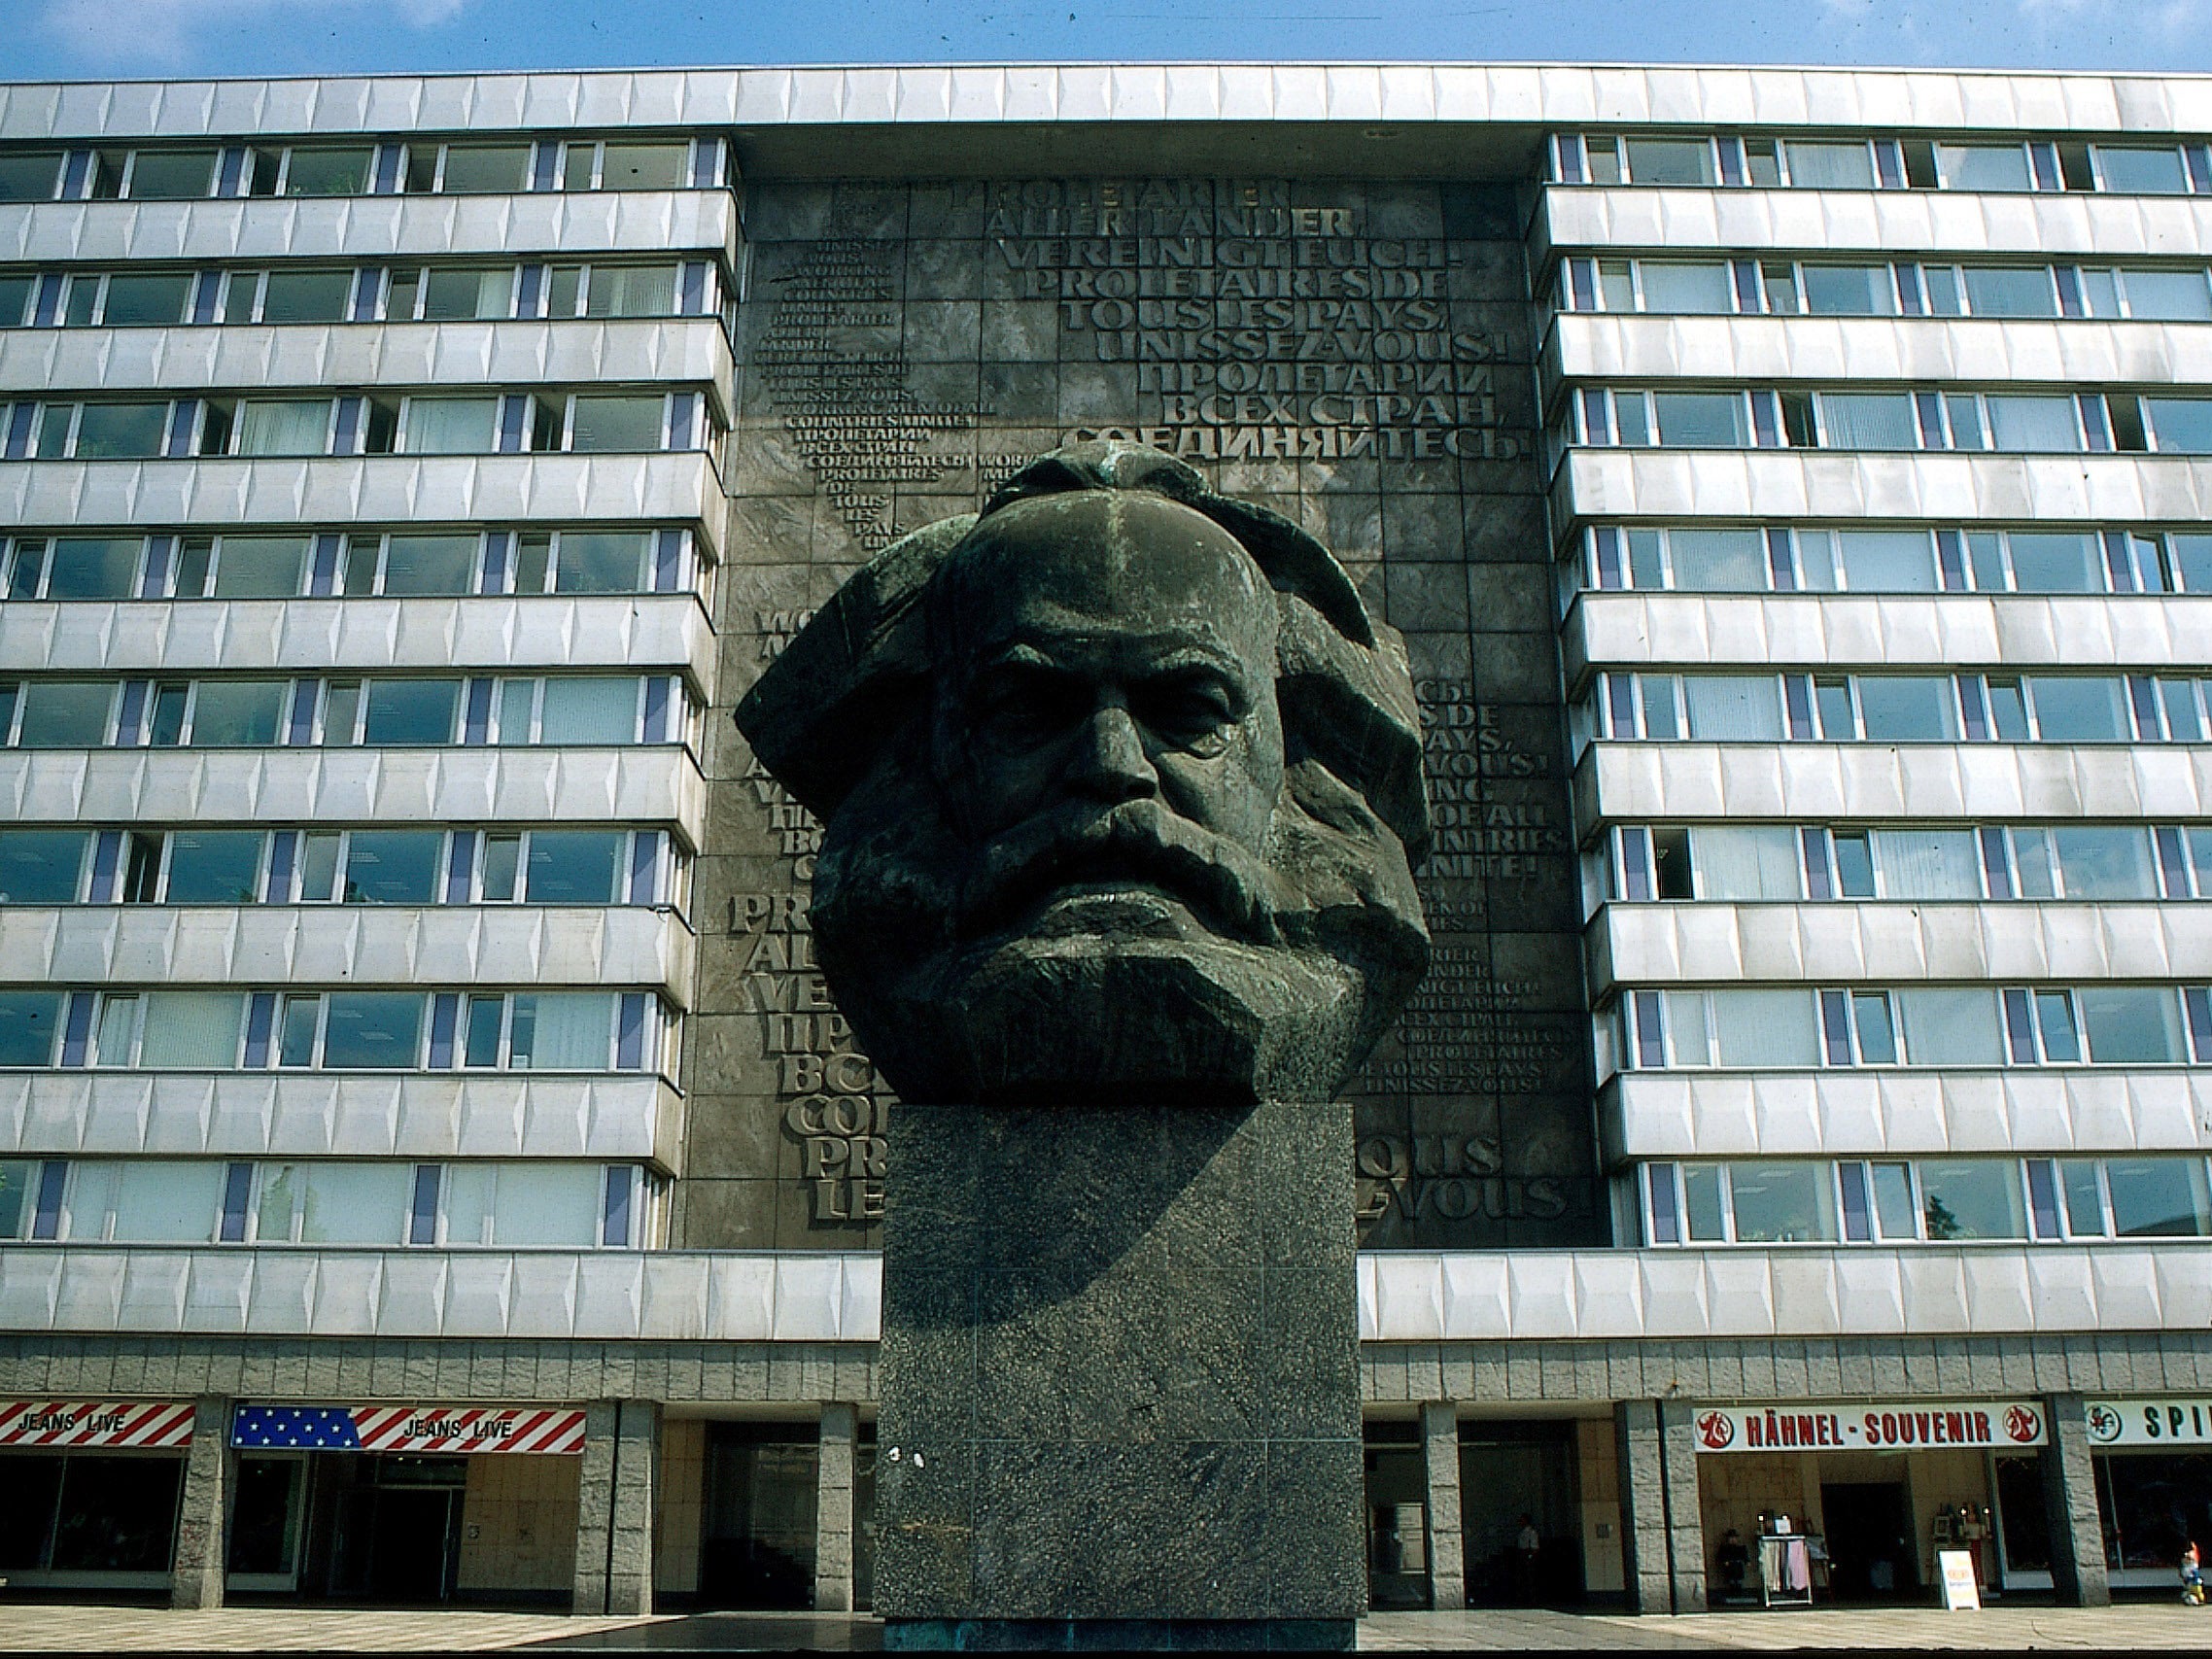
539, 1429
95, 1423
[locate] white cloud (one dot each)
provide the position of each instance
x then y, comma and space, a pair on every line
177, 34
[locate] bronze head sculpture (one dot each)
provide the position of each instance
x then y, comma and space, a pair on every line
1121, 793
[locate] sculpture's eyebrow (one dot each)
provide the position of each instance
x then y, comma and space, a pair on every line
1169, 651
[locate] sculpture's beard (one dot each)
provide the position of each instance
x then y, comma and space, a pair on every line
1120, 953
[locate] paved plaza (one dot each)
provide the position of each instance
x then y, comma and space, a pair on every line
54, 1627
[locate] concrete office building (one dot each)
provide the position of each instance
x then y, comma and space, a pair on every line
429, 1166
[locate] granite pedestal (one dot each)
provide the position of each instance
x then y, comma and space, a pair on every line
1119, 1388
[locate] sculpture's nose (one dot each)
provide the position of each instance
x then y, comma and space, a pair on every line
1112, 763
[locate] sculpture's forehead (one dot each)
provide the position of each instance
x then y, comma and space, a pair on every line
1129, 560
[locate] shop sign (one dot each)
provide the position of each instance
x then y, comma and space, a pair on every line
539, 1430
62, 1423
1886, 1426
2182, 1422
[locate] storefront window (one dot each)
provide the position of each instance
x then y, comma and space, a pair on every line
2151, 1504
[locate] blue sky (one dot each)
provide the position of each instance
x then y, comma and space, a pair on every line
107, 38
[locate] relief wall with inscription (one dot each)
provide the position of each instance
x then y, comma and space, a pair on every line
1354, 354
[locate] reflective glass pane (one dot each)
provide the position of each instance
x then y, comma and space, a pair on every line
1766, 1027
191, 1030
1888, 561
631, 291
1868, 420
645, 167
31, 175
2164, 297
2009, 293
2080, 709
589, 711
172, 175
411, 711
352, 1204
214, 867
335, 171
393, 867
1908, 708
1702, 420
372, 1030
1782, 1203
574, 867
2105, 861
2158, 1198
600, 562
451, 426
1703, 287
172, 1201
1850, 291
430, 564
290, 425
40, 866
86, 566
2132, 1025
1951, 1027
2033, 425
65, 714
260, 567
306, 296
561, 1031
546, 1204
125, 431
1984, 166
137, 300
1733, 707
236, 713
1972, 1199
1701, 1202
462, 296
482, 167
28, 1022
2129, 170
1747, 862
1718, 561
2056, 561
1830, 167
2183, 424
616, 422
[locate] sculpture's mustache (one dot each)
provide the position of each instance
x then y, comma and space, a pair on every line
1223, 885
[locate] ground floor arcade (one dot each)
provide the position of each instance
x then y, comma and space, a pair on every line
732, 1475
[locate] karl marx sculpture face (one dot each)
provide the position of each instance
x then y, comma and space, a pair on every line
1120, 785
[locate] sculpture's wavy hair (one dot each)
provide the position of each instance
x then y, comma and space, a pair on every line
854, 677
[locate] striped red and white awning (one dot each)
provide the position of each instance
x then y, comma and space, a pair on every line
538, 1429
95, 1423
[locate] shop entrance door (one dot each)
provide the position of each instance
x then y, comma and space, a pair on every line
398, 1534
1868, 1533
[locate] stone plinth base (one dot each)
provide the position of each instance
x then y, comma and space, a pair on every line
1120, 1635
1120, 1378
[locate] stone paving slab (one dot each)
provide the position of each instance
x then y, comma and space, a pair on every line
49, 1626
2142, 1627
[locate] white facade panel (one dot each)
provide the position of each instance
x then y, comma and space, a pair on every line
405, 1115
1898, 1113
1812, 782
349, 786
525, 946
303, 636
692, 351
380, 490
1667, 485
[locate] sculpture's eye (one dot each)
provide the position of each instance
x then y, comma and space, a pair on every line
1192, 711
1019, 704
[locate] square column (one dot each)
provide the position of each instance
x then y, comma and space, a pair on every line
1448, 1531
2075, 1524
195, 1572
614, 1510
833, 1511
1662, 1528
